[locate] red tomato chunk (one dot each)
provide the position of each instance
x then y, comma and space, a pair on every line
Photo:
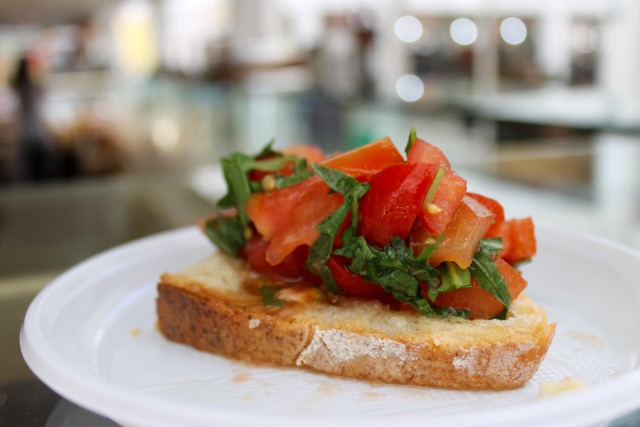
288, 217
393, 201
462, 235
480, 302
366, 160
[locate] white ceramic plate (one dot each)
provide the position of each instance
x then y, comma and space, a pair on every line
90, 335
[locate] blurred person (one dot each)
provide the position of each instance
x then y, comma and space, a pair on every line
364, 29
338, 65
35, 158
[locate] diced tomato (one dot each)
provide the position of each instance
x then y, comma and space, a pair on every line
393, 201
288, 217
522, 240
481, 303
518, 235
351, 283
423, 152
436, 214
463, 233
311, 153
495, 207
366, 160
291, 267
518, 239
502, 230
419, 237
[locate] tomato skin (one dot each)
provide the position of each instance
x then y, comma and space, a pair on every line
451, 190
495, 207
423, 152
288, 217
366, 160
481, 303
349, 282
463, 233
522, 240
518, 239
291, 267
503, 231
393, 201
312, 153
518, 235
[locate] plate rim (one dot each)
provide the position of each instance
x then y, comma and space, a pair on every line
107, 398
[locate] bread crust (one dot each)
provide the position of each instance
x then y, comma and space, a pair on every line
217, 325
340, 339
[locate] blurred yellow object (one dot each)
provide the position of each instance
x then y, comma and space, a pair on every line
134, 30
554, 388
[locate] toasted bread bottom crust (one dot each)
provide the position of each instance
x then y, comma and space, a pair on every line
216, 326
192, 314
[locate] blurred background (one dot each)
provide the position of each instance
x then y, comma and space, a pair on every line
114, 114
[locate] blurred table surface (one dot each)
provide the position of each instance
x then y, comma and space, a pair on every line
46, 229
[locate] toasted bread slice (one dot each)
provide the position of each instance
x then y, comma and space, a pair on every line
209, 307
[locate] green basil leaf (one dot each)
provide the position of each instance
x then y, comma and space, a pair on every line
319, 253
433, 188
227, 202
267, 150
296, 177
395, 269
328, 281
269, 297
429, 249
486, 273
339, 181
492, 245
320, 250
453, 277
400, 282
274, 164
412, 138
239, 188
228, 234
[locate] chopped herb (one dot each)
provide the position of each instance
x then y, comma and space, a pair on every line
227, 233
294, 178
453, 277
328, 281
269, 297
395, 269
412, 139
429, 249
433, 188
492, 245
486, 273
276, 163
320, 250
267, 150
236, 168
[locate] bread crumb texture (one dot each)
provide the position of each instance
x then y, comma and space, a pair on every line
206, 307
